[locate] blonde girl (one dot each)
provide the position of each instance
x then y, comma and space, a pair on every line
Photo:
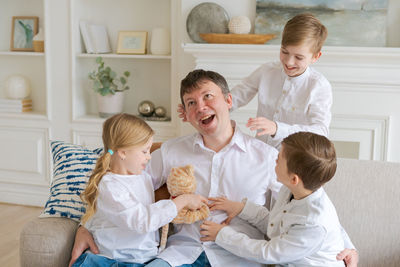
121, 213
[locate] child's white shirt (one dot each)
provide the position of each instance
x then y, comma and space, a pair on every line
304, 232
125, 224
301, 103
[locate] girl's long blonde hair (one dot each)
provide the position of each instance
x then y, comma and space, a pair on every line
119, 131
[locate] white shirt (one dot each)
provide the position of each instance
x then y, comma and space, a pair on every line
302, 232
125, 224
301, 103
243, 168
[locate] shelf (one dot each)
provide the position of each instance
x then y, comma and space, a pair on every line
97, 120
12, 53
33, 115
148, 56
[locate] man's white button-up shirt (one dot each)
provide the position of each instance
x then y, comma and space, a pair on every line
242, 169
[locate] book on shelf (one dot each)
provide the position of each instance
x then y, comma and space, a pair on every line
15, 105
95, 38
17, 102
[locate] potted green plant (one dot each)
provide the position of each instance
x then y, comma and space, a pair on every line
110, 89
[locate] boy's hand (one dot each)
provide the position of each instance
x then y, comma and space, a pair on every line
349, 256
267, 126
181, 112
209, 230
195, 202
232, 208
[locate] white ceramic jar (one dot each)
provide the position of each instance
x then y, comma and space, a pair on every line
160, 42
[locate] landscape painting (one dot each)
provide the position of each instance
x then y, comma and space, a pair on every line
349, 22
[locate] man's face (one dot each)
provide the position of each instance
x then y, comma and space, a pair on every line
207, 109
296, 59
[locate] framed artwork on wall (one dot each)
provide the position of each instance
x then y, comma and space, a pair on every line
132, 42
22, 32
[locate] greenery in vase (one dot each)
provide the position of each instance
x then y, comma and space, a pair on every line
105, 80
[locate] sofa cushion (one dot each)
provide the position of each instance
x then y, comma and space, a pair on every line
72, 165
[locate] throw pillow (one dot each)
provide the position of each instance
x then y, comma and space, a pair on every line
72, 166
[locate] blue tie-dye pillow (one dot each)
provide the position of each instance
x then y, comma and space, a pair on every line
72, 166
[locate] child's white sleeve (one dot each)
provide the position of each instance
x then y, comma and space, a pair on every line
298, 243
256, 215
244, 92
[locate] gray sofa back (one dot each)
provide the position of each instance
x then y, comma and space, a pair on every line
367, 199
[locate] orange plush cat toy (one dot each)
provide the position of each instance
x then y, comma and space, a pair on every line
180, 181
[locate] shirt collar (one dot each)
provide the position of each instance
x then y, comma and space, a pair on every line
238, 139
310, 198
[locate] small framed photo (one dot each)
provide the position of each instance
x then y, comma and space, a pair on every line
130, 42
23, 30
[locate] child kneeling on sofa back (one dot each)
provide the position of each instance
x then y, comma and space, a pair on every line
303, 228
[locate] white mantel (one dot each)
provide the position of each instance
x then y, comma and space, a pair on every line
366, 91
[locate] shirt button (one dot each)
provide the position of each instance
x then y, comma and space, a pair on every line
272, 225
293, 108
284, 92
284, 211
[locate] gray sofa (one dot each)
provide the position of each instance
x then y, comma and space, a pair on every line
366, 195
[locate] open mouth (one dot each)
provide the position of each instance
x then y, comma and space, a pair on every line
207, 119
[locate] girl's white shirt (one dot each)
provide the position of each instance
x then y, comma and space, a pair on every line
126, 221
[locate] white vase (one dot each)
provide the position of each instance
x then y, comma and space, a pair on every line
109, 105
160, 42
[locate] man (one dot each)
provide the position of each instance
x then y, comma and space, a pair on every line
226, 163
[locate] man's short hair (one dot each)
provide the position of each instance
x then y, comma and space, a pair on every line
195, 78
304, 29
311, 156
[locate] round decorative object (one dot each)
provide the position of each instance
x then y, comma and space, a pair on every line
239, 25
146, 108
160, 42
17, 87
160, 112
206, 18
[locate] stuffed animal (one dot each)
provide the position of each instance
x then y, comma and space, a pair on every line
180, 181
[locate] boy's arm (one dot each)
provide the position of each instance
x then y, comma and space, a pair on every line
299, 242
246, 89
256, 215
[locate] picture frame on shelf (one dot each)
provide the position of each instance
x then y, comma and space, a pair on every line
24, 28
132, 42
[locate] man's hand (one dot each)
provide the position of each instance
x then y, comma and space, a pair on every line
267, 126
83, 241
349, 256
232, 208
181, 112
209, 230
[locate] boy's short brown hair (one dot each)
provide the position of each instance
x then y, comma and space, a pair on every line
194, 78
304, 28
311, 156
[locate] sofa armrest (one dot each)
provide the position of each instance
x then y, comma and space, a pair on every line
47, 242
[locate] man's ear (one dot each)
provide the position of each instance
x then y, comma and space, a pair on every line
228, 100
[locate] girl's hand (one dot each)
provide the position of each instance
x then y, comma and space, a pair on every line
232, 208
209, 230
267, 126
181, 112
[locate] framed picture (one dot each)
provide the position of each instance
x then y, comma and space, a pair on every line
131, 42
23, 30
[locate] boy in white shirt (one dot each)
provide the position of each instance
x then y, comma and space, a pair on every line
302, 228
292, 96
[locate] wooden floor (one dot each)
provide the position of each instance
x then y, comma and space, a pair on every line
12, 219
